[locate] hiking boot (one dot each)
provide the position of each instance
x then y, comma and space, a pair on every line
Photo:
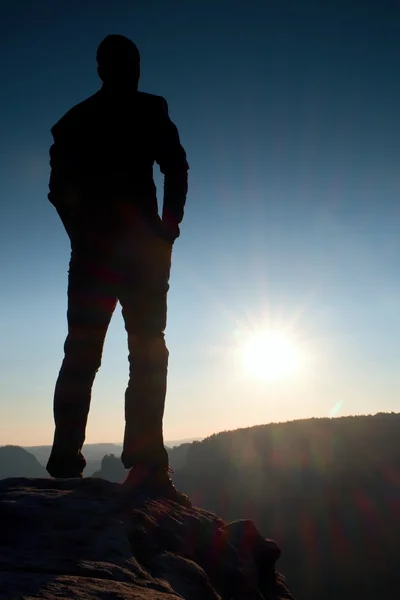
158, 484
66, 466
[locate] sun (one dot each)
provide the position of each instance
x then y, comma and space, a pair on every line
269, 355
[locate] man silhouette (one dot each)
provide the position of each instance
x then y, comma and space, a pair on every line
101, 184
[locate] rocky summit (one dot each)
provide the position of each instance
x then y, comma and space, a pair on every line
89, 538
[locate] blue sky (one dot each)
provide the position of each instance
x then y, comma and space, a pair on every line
289, 115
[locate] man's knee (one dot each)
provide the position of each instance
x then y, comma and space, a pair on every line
83, 352
150, 347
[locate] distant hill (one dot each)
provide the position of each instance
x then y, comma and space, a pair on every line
177, 456
327, 490
94, 453
17, 462
173, 443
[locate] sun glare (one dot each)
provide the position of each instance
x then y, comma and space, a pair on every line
269, 355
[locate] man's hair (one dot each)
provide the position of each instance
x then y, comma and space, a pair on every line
116, 49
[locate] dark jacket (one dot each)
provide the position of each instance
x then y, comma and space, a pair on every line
104, 149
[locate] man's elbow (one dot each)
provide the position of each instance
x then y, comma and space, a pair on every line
177, 179
176, 164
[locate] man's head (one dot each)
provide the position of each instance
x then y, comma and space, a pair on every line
118, 61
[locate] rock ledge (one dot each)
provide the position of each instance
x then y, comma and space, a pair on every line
90, 538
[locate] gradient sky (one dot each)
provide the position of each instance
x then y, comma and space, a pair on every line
289, 112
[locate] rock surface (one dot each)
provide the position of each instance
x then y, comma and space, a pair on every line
90, 538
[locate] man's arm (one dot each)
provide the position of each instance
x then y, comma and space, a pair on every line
63, 181
171, 157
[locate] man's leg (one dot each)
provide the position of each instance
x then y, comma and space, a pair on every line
144, 307
91, 302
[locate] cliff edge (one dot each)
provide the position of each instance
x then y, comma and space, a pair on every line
90, 538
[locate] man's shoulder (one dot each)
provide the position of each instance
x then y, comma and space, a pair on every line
73, 118
81, 113
152, 100
146, 97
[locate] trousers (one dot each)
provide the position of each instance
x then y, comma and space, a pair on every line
132, 268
